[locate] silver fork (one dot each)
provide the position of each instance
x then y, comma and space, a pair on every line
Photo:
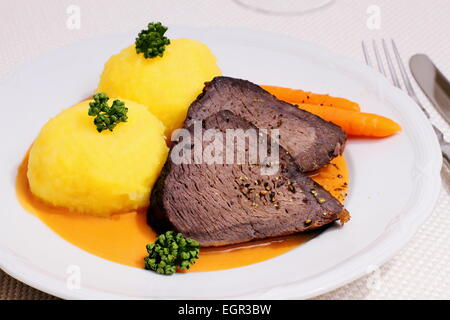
445, 146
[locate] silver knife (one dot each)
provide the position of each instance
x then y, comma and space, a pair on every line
432, 82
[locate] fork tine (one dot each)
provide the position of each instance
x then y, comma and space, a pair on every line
366, 54
378, 58
406, 81
408, 85
390, 65
445, 146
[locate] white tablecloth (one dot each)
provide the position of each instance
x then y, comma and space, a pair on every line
422, 269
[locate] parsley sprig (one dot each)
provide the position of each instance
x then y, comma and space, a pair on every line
106, 118
169, 251
151, 41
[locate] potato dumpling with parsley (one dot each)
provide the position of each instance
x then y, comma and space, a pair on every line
167, 83
73, 165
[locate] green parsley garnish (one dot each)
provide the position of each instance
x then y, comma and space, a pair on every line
107, 117
171, 250
152, 42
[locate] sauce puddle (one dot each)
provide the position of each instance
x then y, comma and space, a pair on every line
122, 238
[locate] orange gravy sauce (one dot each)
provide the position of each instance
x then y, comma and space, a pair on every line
123, 237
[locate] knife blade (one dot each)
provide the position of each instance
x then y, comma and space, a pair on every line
432, 82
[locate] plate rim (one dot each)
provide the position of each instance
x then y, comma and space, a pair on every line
12, 266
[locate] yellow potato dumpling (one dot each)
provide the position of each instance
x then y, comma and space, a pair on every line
72, 165
167, 84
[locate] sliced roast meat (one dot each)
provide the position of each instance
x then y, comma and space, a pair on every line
312, 141
220, 204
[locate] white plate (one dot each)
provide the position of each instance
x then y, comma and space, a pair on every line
393, 188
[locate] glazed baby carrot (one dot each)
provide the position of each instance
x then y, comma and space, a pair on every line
296, 96
354, 122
